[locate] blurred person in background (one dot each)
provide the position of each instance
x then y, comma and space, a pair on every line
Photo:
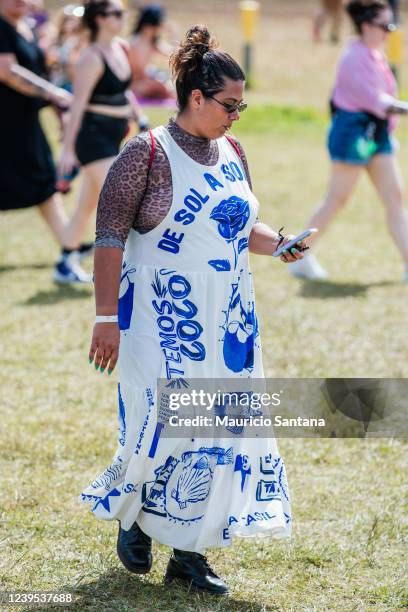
64, 53
329, 11
99, 115
179, 201
146, 43
364, 105
38, 20
27, 171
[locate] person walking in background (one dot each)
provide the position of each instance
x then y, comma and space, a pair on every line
65, 51
145, 43
365, 106
329, 11
27, 171
99, 116
179, 201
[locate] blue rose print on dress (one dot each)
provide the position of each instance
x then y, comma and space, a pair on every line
241, 330
232, 216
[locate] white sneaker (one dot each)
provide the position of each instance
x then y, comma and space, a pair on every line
68, 271
309, 268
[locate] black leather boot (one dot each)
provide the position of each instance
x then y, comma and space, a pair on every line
194, 569
135, 549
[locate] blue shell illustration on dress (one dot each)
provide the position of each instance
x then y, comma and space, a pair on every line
192, 486
126, 294
241, 330
194, 482
231, 216
182, 486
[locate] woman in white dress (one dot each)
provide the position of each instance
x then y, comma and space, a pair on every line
178, 200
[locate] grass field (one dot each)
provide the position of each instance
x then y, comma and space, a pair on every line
58, 417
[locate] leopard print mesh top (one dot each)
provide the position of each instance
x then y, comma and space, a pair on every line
133, 196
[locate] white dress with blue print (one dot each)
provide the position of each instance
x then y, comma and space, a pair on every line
187, 310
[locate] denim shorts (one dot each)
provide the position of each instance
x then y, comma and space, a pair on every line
355, 138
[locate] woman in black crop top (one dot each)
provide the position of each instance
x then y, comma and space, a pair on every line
27, 171
101, 107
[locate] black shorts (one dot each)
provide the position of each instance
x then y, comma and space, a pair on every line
99, 137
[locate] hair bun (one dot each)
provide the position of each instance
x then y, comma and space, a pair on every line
199, 39
190, 53
197, 63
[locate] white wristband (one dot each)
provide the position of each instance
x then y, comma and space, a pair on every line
106, 319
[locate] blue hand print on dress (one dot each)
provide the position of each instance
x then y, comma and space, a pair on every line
232, 216
241, 330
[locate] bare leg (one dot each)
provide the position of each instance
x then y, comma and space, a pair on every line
318, 22
53, 213
93, 177
336, 19
342, 181
385, 174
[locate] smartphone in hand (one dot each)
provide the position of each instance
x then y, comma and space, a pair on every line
294, 241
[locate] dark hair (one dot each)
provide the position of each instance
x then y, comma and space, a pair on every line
152, 15
364, 11
92, 8
196, 64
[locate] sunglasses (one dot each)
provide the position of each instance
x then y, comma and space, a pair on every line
231, 108
385, 27
118, 13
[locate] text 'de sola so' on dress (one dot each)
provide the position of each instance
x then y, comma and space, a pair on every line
187, 310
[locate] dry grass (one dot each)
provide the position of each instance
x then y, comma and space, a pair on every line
59, 417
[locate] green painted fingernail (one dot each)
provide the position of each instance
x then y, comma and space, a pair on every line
110, 372
96, 366
293, 251
102, 370
90, 360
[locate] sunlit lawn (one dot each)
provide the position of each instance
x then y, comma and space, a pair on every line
59, 417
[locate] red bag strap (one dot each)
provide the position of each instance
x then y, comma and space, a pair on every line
234, 145
153, 141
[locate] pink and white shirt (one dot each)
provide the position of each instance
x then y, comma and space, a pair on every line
364, 81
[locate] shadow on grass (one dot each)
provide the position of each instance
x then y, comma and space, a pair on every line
322, 290
58, 294
117, 589
28, 266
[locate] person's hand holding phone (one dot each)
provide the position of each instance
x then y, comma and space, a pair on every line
292, 247
293, 253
